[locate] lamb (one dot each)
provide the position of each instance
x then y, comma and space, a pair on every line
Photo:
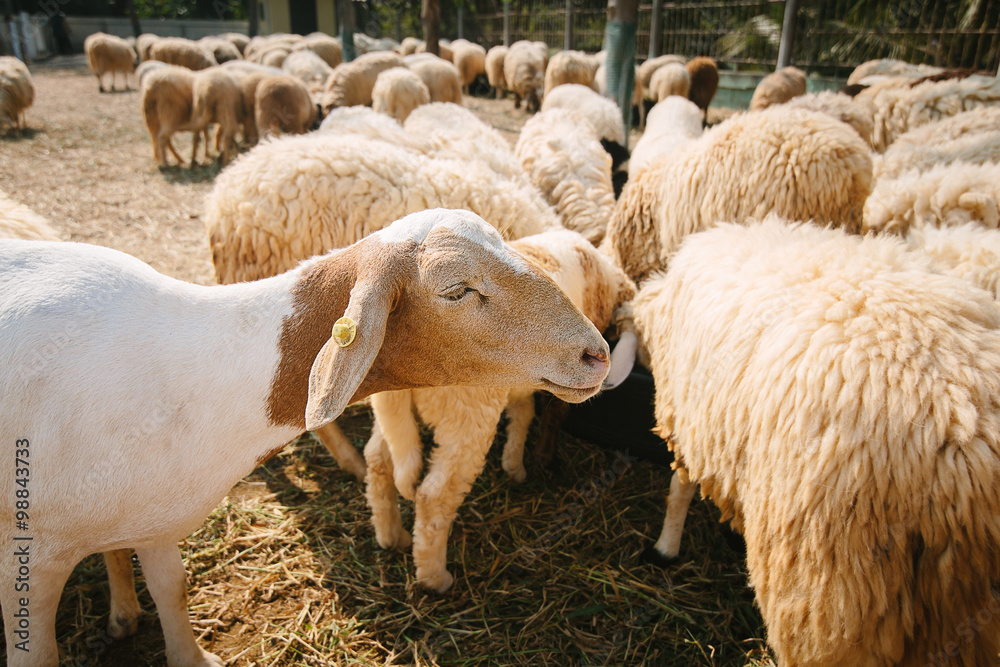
470, 60
494, 69
440, 76
671, 79
644, 74
778, 87
972, 137
800, 164
181, 52
17, 221
398, 92
947, 195
524, 72
859, 114
255, 359
107, 53
671, 126
351, 83
282, 105
464, 420
836, 397
566, 161
704, 81
569, 67
167, 102
17, 92
309, 68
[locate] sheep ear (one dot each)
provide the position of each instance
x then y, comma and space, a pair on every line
342, 364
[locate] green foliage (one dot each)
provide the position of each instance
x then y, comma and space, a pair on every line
149, 9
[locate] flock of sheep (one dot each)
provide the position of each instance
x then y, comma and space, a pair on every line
813, 284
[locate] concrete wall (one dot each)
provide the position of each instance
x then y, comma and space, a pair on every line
736, 88
192, 29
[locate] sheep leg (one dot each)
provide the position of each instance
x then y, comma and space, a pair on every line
394, 410
520, 411
668, 546
194, 148
458, 459
381, 494
170, 145
166, 580
342, 450
124, 619
32, 625
100, 83
517, 101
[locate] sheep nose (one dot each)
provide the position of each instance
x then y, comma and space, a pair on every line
596, 357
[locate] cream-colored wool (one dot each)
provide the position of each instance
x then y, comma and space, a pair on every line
899, 109
217, 98
258, 46
221, 49
671, 79
398, 92
778, 87
440, 76
326, 47
565, 160
602, 113
17, 92
238, 40
464, 420
274, 56
282, 105
839, 399
444, 51
143, 43
644, 74
494, 69
671, 126
351, 83
366, 122
972, 137
704, 81
969, 251
470, 61
407, 46
859, 114
249, 76
108, 53
295, 197
947, 195
167, 102
569, 67
17, 221
181, 52
148, 66
524, 71
308, 68
890, 67
799, 164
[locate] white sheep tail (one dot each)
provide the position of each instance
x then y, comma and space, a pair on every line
622, 359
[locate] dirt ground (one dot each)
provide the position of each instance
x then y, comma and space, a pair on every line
286, 571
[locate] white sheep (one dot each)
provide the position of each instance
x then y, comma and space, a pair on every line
859, 114
306, 66
239, 40
494, 69
569, 67
800, 164
398, 92
157, 360
671, 126
566, 161
181, 52
464, 420
470, 61
645, 71
946, 195
17, 92
222, 50
351, 83
671, 79
444, 50
972, 137
143, 43
836, 397
326, 47
17, 221
602, 113
778, 87
407, 46
108, 53
889, 67
441, 77
524, 71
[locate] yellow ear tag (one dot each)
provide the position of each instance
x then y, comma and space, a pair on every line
344, 331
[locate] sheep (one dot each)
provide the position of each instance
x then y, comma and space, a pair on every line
249, 75
143, 43
441, 77
167, 102
297, 197
238, 40
889, 67
494, 69
17, 221
859, 114
969, 251
274, 57
972, 137
524, 71
566, 161
602, 114
218, 98
351, 83
222, 49
569, 67
107, 53
836, 397
187, 366
946, 195
182, 52
470, 60
398, 92
444, 51
17, 92
464, 420
309, 68
899, 109
644, 74
671, 79
671, 126
799, 164
324, 46
407, 46
282, 105
778, 87
704, 81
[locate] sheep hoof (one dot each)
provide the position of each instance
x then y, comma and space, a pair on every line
654, 557
518, 474
439, 583
209, 660
120, 626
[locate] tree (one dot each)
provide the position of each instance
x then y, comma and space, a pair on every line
430, 17
133, 17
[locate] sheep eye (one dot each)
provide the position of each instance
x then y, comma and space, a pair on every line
457, 292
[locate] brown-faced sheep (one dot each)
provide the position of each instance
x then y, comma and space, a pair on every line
704, 82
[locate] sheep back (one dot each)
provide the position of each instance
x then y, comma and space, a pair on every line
778, 87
